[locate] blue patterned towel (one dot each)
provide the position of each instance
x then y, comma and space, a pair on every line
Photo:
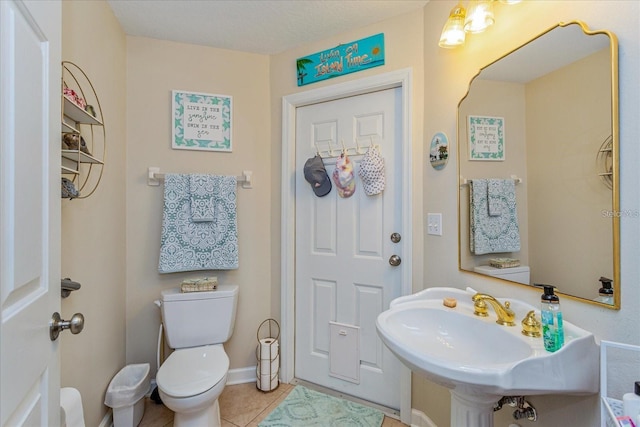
493, 234
187, 245
202, 199
495, 192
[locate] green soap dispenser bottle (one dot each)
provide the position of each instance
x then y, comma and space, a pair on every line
552, 330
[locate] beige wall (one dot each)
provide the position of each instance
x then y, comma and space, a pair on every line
447, 74
111, 240
495, 99
93, 232
154, 69
566, 195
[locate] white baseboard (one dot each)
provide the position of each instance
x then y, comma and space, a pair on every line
107, 420
420, 419
241, 375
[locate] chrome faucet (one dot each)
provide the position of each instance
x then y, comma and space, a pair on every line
505, 315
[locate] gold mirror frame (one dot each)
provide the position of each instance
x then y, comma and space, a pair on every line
615, 178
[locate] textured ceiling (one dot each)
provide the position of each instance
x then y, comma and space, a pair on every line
258, 26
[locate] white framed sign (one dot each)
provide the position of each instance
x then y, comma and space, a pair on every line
486, 138
201, 121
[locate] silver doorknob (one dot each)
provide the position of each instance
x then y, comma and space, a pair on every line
395, 237
395, 260
57, 325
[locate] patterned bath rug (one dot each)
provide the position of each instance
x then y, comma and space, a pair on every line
308, 408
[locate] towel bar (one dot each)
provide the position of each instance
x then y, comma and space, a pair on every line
154, 178
464, 181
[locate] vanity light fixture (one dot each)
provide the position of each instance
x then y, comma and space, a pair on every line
479, 16
453, 32
476, 18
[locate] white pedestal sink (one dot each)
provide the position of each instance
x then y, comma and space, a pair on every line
479, 360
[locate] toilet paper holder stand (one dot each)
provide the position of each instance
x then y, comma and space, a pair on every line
268, 355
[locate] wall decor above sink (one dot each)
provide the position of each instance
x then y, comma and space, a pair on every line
439, 151
558, 97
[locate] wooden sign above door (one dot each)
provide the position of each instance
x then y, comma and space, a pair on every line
344, 59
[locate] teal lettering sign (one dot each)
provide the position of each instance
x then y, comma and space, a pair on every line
344, 59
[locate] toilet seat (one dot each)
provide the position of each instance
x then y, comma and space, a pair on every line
192, 371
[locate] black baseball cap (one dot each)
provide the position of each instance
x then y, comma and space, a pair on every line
316, 175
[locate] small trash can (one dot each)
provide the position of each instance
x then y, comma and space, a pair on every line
125, 394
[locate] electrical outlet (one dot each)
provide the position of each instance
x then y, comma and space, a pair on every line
434, 224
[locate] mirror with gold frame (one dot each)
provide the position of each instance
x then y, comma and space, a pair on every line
538, 166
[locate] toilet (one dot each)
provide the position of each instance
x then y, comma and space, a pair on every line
191, 379
520, 274
71, 413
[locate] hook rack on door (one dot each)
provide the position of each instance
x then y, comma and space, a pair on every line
333, 151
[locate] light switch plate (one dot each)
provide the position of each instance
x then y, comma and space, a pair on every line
434, 224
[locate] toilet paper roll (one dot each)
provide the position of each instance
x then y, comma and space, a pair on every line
268, 349
267, 383
266, 367
71, 404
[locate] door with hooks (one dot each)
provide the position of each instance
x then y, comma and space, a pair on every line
348, 267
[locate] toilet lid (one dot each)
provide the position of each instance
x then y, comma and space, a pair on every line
191, 371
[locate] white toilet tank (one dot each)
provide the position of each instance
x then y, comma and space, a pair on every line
194, 319
515, 274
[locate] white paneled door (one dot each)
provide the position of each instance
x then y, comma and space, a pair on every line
30, 40
343, 274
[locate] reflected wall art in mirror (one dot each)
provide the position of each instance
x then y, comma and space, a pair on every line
538, 166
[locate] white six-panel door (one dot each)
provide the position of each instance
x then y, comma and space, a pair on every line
343, 247
30, 40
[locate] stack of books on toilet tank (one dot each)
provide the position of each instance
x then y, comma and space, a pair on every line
504, 262
199, 285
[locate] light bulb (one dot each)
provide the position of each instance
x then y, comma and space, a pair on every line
479, 16
453, 32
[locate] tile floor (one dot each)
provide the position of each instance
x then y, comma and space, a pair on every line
241, 405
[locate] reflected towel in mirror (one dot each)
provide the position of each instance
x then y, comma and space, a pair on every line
495, 191
493, 234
